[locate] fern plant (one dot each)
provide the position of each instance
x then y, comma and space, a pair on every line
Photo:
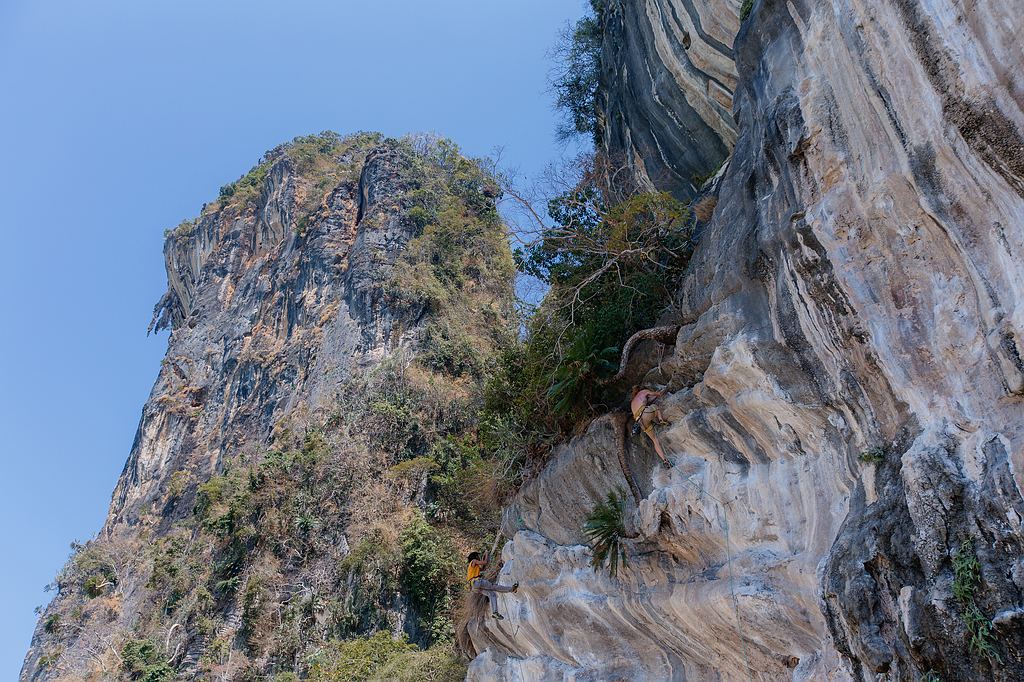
605, 529
572, 378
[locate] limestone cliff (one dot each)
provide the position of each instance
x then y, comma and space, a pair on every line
846, 386
329, 315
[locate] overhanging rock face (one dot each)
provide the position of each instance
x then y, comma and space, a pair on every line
846, 389
667, 81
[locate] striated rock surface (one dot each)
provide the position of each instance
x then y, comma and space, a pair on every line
846, 388
667, 82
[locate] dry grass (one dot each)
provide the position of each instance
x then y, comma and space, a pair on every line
472, 609
705, 208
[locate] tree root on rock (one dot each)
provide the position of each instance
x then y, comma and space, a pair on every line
666, 334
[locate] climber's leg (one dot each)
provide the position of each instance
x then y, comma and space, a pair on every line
492, 598
483, 587
482, 584
491, 591
649, 430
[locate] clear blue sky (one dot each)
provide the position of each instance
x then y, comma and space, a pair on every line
119, 118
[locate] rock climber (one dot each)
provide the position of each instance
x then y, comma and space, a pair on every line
484, 586
646, 414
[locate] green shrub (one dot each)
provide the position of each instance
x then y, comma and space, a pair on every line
178, 483
459, 246
356, 659
373, 569
91, 568
314, 449
516, 426
94, 585
141, 659
430, 574
580, 367
420, 216
576, 75
450, 349
872, 456
212, 493
174, 573
50, 658
439, 663
413, 469
306, 150
247, 188
227, 586
52, 623
605, 530
159, 672
745, 9
183, 228
457, 460
392, 420
610, 270
966, 583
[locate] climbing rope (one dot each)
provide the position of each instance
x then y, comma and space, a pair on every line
494, 547
732, 591
723, 519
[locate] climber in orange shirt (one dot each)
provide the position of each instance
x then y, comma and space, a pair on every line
484, 586
644, 417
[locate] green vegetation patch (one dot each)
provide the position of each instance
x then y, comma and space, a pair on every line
575, 77
605, 530
141, 659
966, 583
610, 268
430, 574
872, 456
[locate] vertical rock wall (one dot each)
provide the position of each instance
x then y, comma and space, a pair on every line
264, 319
845, 388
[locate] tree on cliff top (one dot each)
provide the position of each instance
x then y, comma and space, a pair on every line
575, 76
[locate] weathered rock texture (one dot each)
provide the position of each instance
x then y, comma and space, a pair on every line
265, 319
667, 82
846, 389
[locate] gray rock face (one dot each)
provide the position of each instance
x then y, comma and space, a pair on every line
667, 83
846, 387
265, 319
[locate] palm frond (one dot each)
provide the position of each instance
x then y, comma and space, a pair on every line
605, 530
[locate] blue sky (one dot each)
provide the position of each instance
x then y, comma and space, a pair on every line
119, 119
